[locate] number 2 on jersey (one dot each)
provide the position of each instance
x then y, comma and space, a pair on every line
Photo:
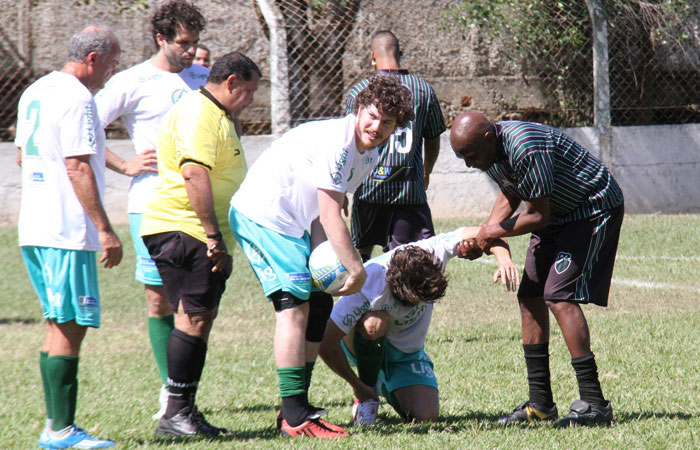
31, 148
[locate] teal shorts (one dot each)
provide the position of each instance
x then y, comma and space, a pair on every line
400, 370
280, 262
66, 283
146, 270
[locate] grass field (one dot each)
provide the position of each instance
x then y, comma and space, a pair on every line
647, 344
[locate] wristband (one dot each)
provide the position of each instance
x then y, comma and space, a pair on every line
216, 236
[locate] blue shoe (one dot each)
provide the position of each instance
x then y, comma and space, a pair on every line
76, 438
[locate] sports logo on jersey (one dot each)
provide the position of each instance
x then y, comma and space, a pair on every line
38, 177
563, 262
382, 173
299, 277
177, 94
336, 175
352, 173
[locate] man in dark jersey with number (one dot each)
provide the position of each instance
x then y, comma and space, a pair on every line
390, 208
574, 210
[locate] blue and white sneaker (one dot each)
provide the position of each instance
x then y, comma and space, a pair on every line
76, 438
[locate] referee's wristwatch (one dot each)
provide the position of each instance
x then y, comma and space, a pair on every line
218, 237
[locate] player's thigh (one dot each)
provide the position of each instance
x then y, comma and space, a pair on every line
410, 223
419, 402
146, 270
280, 262
66, 284
582, 268
370, 224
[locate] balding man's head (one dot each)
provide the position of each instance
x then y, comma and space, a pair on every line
473, 139
385, 45
93, 38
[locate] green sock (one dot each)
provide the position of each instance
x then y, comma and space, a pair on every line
62, 372
369, 356
44, 367
159, 330
292, 381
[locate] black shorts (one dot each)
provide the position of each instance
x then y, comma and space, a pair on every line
389, 225
185, 268
573, 261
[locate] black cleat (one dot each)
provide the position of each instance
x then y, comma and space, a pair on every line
528, 412
188, 422
584, 414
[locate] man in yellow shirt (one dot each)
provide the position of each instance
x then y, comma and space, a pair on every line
201, 165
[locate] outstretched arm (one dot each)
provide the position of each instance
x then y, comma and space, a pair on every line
333, 355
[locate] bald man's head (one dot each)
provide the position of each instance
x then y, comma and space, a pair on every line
385, 45
473, 139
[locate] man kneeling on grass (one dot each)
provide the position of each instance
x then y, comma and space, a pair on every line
382, 329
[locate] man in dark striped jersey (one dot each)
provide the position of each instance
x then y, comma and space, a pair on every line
574, 210
390, 207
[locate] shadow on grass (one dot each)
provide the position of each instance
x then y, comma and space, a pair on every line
624, 417
20, 320
267, 407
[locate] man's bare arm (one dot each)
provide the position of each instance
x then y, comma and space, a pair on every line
85, 187
143, 162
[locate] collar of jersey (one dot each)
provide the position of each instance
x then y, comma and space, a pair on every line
208, 95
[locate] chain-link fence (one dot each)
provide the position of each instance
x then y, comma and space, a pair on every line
653, 54
653, 48
15, 65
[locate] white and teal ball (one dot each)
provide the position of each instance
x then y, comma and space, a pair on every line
326, 270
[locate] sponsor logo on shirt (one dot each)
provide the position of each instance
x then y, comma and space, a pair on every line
410, 318
87, 302
38, 177
90, 135
177, 94
336, 175
146, 78
351, 318
198, 76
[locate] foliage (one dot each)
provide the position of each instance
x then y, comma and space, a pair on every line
552, 40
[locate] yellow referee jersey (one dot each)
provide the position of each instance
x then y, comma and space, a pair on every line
197, 130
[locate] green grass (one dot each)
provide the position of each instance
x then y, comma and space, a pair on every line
646, 344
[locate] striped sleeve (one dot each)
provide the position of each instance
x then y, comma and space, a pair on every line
435, 123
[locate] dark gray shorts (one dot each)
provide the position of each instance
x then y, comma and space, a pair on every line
185, 268
573, 261
389, 225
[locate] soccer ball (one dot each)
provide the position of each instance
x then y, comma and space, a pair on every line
326, 270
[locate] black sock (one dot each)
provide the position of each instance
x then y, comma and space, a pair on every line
587, 377
186, 356
538, 379
295, 409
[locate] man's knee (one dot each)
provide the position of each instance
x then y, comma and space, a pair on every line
373, 325
157, 301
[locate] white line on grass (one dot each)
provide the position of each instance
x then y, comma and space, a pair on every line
623, 281
659, 258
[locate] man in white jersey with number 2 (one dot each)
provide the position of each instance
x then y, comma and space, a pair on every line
141, 96
62, 221
382, 329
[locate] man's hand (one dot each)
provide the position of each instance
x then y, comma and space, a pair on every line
509, 274
353, 284
483, 238
467, 249
364, 392
426, 179
143, 162
112, 247
218, 253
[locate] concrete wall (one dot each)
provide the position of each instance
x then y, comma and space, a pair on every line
658, 168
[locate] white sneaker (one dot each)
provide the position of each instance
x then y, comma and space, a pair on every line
365, 413
163, 401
